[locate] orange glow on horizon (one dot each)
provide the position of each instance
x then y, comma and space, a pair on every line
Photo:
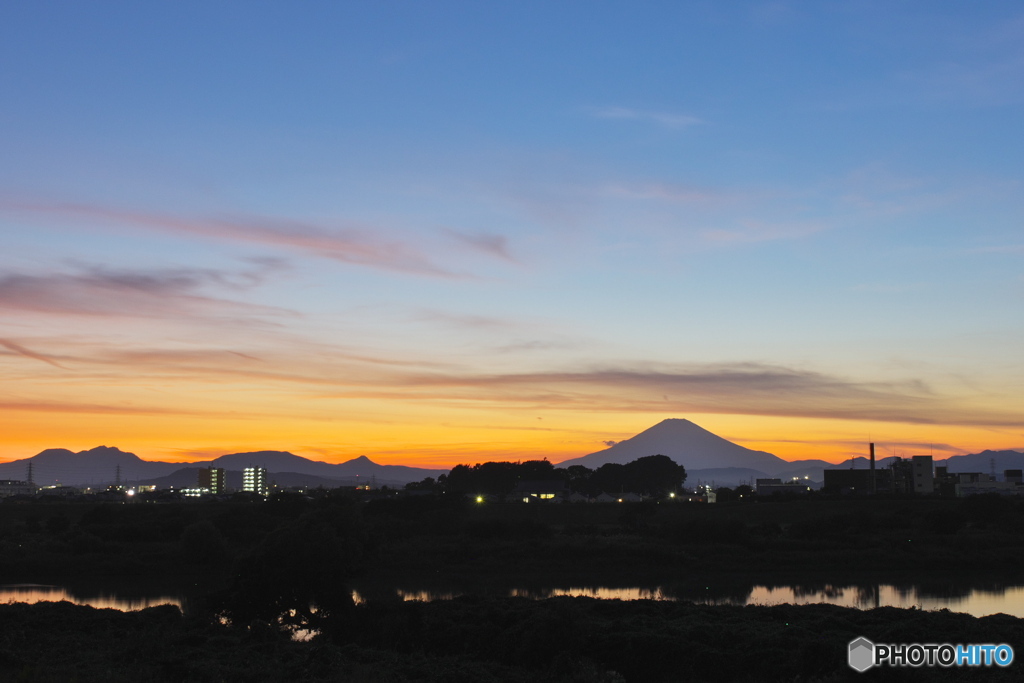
462, 437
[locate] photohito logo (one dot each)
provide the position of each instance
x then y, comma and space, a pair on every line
863, 654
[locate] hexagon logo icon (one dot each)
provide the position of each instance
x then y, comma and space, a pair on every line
861, 656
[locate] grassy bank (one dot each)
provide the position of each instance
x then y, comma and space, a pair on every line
488, 639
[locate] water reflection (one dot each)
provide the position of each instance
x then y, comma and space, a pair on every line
975, 601
32, 593
978, 601
602, 593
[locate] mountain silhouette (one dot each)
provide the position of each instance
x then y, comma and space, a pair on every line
973, 462
688, 444
100, 466
97, 466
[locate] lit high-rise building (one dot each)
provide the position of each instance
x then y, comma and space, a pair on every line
254, 480
212, 478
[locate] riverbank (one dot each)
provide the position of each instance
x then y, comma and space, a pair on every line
497, 639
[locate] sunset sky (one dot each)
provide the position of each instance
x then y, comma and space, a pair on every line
444, 232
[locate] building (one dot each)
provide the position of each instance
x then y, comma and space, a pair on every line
554, 490
903, 476
974, 483
254, 480
213, 479
10, 487
859, 482
785, 488
921, 467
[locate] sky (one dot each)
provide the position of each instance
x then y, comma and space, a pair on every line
450, 232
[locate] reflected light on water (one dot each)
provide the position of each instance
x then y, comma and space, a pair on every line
977, 602
601, 593
32, 593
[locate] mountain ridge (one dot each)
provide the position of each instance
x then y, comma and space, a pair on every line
710, 456
100, 466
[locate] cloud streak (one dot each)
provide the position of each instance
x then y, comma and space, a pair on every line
98, 291
666, 119
22, 351
355, 246
745, 388
490, 244
739, 388
669, 192
95, 409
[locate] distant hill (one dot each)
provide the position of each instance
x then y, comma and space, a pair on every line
974, 462
724, 476
688, 444
99, 467
982, 462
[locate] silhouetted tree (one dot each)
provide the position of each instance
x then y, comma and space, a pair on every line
297, 578
428, 484
537, 470
610, 477
650, 475
655, 475
579, 478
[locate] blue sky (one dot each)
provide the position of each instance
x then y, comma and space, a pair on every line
434, 225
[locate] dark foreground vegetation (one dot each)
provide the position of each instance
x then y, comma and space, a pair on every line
488, 639
270, 570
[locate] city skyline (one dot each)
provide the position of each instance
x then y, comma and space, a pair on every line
454, 233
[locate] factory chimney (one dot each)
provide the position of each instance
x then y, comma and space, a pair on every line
873, 485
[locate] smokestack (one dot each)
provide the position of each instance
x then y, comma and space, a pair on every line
872, 448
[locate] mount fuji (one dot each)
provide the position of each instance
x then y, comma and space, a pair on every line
691, 446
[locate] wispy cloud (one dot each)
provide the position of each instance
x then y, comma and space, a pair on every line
537, 345
94, 408
740, 388
353, 245
490, 244
744, 388
730, 388
666, 119
858, 448
668, 192
22, 351
466, 320
99, 291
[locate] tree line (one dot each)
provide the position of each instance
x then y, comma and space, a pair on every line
653, 475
